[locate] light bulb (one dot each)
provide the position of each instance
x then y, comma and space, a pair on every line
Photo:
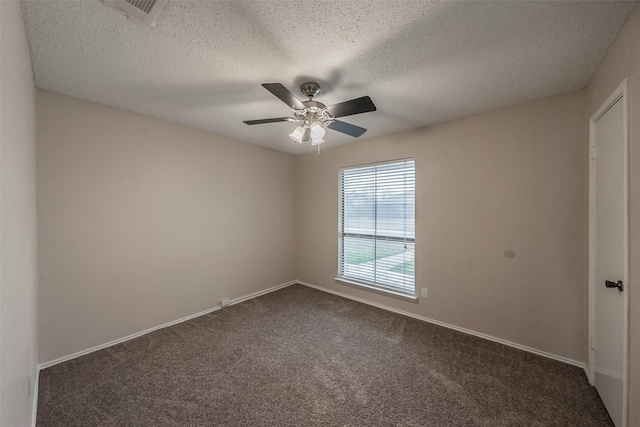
297, 134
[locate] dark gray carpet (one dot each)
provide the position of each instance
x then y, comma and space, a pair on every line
302, 357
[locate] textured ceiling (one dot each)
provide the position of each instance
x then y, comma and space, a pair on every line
421, 62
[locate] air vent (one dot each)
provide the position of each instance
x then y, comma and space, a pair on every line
143, 5
143, 11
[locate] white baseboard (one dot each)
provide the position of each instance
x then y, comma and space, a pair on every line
456, 328
34, 409
155, 328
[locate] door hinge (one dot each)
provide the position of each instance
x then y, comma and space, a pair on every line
592, 342
593, 152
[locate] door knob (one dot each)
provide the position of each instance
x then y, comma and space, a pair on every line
618, 284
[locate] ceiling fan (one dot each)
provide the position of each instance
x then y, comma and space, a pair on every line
314, 115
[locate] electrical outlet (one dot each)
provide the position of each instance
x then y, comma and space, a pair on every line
224, 302
424, 292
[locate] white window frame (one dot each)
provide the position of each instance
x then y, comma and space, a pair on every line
372, 286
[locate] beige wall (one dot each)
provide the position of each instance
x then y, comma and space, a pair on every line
623, 60
508, 179
142, 222
18, 270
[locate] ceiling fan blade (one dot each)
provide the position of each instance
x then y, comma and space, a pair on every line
347, 128
284, 94
355, 106
276, 120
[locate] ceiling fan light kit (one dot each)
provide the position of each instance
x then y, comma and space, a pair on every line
314, 115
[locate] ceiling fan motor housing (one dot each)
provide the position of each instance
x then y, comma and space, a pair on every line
314, 112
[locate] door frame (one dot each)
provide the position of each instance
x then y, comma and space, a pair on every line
621, 94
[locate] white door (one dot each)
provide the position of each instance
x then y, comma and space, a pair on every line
608, 254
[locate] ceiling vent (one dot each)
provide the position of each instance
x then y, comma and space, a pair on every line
143, 11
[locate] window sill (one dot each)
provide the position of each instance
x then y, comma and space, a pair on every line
387, 292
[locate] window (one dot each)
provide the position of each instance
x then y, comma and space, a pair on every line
377, 226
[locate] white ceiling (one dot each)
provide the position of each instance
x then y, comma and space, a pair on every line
421, 62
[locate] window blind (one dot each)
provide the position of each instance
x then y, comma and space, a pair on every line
377, 225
